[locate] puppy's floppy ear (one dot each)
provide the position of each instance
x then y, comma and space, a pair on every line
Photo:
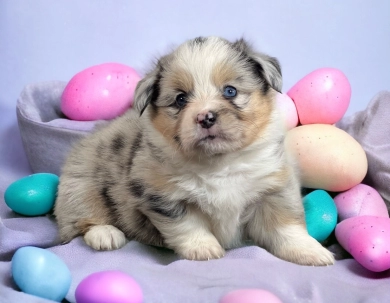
265, 66
147, 90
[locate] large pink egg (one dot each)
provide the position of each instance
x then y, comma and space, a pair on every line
100, 92
322, 96
108, 286
288, 110
366, 238
250, 296
360, 200
328, 158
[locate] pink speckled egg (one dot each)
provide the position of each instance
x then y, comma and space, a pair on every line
360, 200
322, 96
288, 110
250, 296
108, 286
366, 238
100, 92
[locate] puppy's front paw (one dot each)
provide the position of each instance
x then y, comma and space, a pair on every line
309, 252
201, 250
105, 237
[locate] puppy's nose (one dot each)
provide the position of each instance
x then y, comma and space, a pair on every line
206, 120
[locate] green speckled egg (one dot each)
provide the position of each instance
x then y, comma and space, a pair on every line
33, 195
320, 214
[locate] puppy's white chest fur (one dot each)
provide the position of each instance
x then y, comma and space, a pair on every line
223, 193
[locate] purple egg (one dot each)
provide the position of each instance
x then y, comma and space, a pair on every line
108, 286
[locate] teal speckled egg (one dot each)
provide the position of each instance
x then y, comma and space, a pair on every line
320, 214
33, 195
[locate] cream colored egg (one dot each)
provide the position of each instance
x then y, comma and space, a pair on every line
328, 157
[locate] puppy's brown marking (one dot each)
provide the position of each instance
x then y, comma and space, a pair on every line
223, 74
179, 80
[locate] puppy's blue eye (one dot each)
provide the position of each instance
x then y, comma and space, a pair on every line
229, 92
181, 100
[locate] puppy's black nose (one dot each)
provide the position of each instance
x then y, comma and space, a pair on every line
207, 120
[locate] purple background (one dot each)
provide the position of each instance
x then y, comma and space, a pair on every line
45, 40
48, 40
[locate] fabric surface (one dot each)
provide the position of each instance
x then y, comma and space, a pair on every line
162, 276
371, 128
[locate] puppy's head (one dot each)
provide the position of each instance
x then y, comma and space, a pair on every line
210, 96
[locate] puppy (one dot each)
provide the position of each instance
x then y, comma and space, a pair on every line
198, 165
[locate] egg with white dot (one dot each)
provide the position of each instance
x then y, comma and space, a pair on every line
320, 214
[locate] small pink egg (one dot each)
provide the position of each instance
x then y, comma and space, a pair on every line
100, 92
322, 96
366, 238
108, 286
288, 110
250, 296
360, 200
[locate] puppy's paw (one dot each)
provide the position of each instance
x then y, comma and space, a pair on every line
201, 250
308, 252
105, 237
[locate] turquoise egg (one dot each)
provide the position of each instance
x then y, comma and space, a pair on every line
41, 273
320, 214
33, 195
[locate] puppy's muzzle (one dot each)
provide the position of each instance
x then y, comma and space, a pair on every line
206, 120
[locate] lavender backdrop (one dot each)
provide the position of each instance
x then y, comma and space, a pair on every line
44, 40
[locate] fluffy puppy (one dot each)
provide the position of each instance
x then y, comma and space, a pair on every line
198, 165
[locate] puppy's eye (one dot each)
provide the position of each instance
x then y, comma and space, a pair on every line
229, 92
181, 100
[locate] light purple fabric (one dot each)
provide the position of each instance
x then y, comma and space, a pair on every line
372, 129
165, 278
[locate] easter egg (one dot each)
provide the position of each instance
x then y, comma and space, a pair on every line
320, 214
41, 273
288, 110
366, 238
322, 96
33, 195
328, 158
250, 296
108, 286
360, 200
100, 92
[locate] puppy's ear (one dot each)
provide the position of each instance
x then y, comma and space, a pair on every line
264, 66
147, 90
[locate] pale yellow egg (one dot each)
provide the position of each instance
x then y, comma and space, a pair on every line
328, 157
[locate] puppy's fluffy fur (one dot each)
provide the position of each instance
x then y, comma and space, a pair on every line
198, 165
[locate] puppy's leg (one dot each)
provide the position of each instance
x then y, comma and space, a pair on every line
189, 236
88, 216
277, 223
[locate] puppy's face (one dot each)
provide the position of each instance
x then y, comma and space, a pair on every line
210, 96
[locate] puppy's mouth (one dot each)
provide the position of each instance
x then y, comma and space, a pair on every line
209, 137
213, 139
